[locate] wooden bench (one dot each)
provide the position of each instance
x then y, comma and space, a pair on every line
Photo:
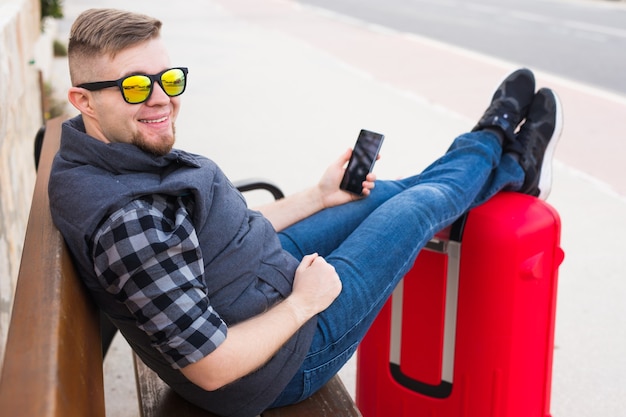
53, 357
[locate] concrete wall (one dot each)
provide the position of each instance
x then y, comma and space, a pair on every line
20, 117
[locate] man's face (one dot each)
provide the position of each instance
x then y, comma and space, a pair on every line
148, 125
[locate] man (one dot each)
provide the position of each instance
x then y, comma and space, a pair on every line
241, 310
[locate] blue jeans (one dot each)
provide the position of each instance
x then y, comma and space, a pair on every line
373, 242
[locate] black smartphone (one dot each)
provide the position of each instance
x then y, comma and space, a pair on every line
362, 161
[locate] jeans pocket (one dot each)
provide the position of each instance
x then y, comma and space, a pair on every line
315, 378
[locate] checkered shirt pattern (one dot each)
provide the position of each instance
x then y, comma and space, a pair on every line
148, 257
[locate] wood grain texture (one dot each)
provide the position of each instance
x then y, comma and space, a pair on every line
53, 359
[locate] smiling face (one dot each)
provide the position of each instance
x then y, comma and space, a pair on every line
148, 125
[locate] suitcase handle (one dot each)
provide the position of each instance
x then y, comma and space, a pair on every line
450, 245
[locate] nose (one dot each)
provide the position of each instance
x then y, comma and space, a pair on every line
158, 95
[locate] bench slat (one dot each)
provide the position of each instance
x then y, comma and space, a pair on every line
332, 400
51, 367
156, 399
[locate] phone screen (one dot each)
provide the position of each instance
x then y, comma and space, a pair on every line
362, 161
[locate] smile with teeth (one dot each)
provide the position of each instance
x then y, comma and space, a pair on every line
162, 119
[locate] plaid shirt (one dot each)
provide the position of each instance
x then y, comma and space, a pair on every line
148, 257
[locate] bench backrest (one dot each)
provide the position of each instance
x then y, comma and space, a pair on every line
53, 358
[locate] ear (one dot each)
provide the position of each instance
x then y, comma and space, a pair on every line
82, 100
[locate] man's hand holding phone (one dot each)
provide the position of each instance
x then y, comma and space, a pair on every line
330, 192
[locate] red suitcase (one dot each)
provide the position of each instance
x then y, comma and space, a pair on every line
469, 332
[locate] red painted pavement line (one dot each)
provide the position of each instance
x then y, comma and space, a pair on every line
595, 120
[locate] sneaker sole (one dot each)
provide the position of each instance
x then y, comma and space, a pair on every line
545, 178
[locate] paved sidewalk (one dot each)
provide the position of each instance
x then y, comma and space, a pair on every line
278, 90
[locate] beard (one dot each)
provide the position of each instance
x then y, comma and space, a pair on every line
160, 147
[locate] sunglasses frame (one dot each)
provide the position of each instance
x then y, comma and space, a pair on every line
100, 85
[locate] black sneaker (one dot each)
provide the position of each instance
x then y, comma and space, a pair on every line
510, 103
536, 141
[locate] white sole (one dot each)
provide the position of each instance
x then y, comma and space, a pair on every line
545, 177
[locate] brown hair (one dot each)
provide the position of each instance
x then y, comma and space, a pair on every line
99, 32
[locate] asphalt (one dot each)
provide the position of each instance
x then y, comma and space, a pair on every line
278, 90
